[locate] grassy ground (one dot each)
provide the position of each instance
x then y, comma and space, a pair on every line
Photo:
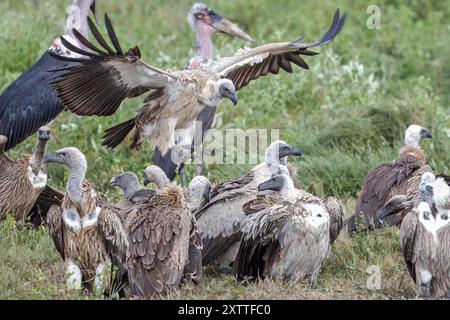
348, 113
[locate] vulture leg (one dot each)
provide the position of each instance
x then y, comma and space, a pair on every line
200, 169
98, 280
74, 277
425, 290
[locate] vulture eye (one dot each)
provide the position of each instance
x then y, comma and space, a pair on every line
200, 16
63, 154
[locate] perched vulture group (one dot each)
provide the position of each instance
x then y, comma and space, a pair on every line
154, 240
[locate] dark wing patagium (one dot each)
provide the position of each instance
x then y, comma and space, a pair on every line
377, 187
250, 64
105, 77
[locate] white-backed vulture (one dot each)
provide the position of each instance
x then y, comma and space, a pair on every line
107, 77
30, 102
159, 230
205, 23
388, 180
287, 235
425, 239
23, 181
86, 231
220, 218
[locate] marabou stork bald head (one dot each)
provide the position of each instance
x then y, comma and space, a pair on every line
205, 23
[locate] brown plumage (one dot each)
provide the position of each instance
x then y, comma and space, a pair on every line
388, 180
86, 231
103, 80
22, 182
160, 231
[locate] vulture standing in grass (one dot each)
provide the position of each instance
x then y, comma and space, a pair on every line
160, 232
86, 231
287, 235
30, 102
220, 218
425, 239
205, 23
106, 77
24, 193
388, 180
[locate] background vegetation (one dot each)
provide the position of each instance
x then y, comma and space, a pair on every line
348, 113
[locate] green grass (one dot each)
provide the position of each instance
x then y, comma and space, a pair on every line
348, 113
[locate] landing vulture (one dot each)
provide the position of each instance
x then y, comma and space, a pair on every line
30, 102
108, 76
288, 235
388, 180
86, 231
219, 219
205, 23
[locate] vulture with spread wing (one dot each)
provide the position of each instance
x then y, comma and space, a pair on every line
108, 76
388, 180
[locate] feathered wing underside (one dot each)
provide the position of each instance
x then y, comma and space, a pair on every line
407, 241
250, 64
261, 241
55, 228
49, 197
152, 232
377, 188
105, 76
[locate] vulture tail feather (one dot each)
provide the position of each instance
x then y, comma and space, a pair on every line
115, 135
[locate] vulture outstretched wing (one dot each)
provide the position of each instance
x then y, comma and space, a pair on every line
407, 239
377, 188
108, 75
250, 64
55, 228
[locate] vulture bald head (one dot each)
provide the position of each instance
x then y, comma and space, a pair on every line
154, 174
128, 182
415, 133
426, 188
441, 194
278, 152
199, 192
44, 133
71, 158
281, 183
224, 89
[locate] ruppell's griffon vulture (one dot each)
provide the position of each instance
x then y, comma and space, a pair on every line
86, 231
24, 193
160, 231
107, 77
205, 23
287, 235
388, 180
219, 219
425, 239
30, 102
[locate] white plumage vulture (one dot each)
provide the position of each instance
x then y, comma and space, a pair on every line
219, 219
425, 239
108, 76
86, 231
288, 235
388, 180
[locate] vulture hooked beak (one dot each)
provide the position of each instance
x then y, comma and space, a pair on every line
289, 151
393, 206
275, 184
207, 194
44, 134
424, 133
94, 10
146, 181
55, 157
226, 26
113, 182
